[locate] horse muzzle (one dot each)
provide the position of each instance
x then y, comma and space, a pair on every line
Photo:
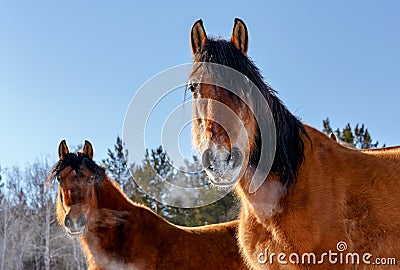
222, 167
75, 227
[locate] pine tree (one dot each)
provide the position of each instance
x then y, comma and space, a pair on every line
359, 138
159, 162
117, 163
327, 126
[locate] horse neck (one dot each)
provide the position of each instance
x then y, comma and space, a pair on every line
318, 165
110, 196
112, 210
112, 200
313, 154
114, 219
325, 159
327, 165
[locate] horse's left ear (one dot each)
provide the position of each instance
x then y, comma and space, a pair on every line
88, 149
240, 36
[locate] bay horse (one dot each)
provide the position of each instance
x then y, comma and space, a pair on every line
318, 196
116, 233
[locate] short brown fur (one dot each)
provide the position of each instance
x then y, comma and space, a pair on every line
120, 234
341, 194
335, 193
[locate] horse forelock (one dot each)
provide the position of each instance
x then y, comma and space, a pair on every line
76, 161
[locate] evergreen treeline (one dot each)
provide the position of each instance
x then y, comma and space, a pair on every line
358, 138
31, 238
156, 162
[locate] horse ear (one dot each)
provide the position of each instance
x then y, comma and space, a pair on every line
88, 149
240, 36
198, 36
62, 149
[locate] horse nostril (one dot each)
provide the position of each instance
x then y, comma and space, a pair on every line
81, 222
236, 156
207, 158
68, 222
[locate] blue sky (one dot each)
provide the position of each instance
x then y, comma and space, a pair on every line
69, 69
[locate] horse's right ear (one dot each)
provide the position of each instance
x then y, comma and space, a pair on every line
198, 36
62, 149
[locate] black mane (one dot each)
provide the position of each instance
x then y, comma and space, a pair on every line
75, 160
289, 145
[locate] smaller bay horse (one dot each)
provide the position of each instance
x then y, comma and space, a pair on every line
116, 233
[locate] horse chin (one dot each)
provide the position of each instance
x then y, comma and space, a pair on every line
75, 233
223, 182
222, 185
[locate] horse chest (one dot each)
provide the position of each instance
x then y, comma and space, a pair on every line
99, 257
256, 241
264, 203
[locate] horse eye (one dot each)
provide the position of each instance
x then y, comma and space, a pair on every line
192, 86
91, 179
